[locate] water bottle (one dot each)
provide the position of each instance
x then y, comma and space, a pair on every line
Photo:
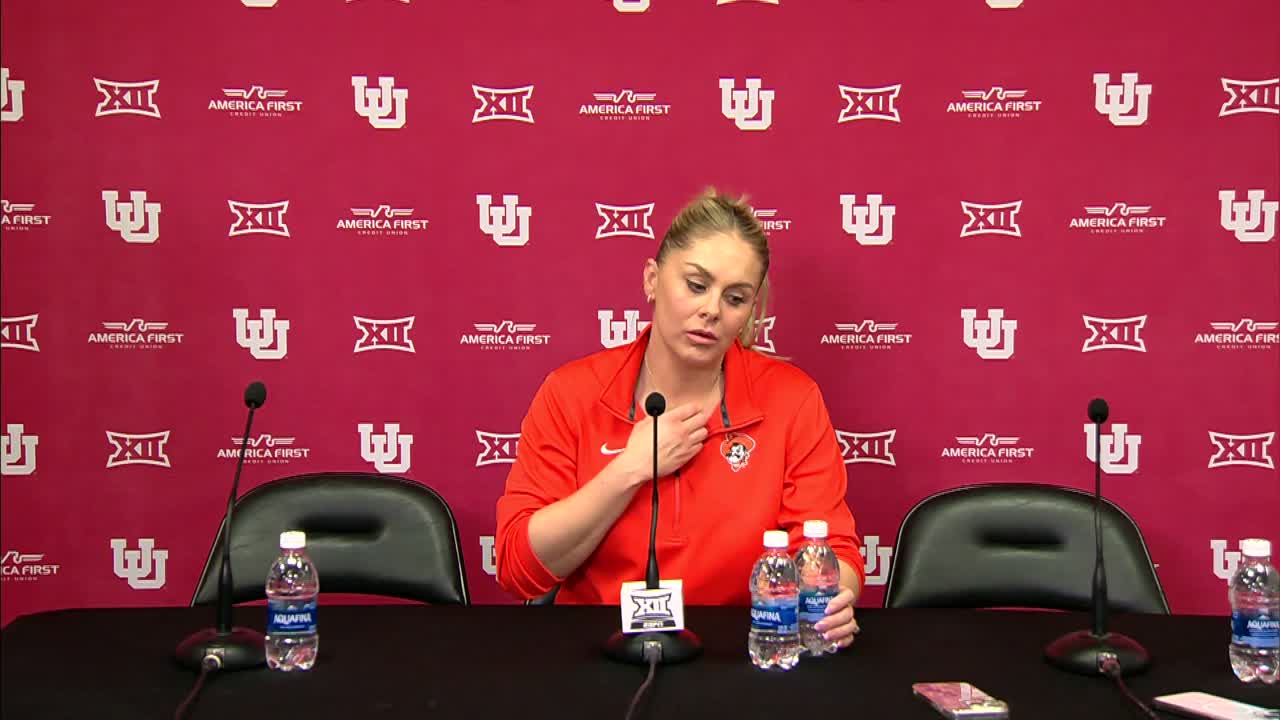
818, 573
1255, 614
292, 586
774, 641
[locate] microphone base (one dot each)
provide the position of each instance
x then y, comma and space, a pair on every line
1080, 652
239, 649
677, 647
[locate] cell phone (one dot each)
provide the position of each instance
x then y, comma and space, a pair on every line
1204, 705
961, 701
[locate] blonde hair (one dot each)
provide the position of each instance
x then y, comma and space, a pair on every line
711, 213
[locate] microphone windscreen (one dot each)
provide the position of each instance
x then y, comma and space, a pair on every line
1098, 410
255, 395
655, 404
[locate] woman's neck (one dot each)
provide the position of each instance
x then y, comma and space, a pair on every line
679, 383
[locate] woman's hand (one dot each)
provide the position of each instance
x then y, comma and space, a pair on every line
839, 626
681, 432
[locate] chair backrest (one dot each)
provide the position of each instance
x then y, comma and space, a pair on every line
367, 533
1019, 545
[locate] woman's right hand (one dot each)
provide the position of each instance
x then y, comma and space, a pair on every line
681, 433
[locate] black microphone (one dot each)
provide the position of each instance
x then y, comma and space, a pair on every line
1098, 651
656, 646
224, 647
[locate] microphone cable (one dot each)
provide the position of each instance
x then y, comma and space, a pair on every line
208, 665
1110, 667
653, 653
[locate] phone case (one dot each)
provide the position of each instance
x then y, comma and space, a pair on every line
1198, 704
961, 701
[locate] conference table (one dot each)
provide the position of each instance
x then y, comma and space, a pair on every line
416, 661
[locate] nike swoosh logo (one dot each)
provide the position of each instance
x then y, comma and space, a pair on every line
604, 449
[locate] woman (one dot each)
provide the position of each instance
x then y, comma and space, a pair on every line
745, 444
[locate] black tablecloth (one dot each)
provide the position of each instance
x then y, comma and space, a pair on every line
544, 662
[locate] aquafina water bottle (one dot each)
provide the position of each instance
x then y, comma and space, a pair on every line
292, 587
818, 572
1255, 614
774, 640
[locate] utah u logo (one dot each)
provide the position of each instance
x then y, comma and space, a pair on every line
877, 559
127, 98
750, 109
1117, 101
384, 105
631, 6
10, 97
507, 224
129, 219
488, 558
17, 451
1225, 562
862, 221
986, 336
1115, 447
136, 565
382, 450
619, 332
1243, 218
257, 336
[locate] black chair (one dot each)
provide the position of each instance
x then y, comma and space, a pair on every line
367, 533
1018, 545
547, 598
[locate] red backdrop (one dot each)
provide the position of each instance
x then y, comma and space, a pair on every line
980, 218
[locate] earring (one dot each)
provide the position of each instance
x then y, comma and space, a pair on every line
650, 298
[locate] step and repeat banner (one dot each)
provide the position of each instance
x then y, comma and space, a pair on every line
402, 214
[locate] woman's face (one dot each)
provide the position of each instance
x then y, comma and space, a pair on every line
703, 296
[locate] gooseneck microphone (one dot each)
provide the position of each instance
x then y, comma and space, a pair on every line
1096, 651
649, 648
224, 647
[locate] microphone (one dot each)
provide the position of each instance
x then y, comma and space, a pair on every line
661, 608
1096, 651
224, 647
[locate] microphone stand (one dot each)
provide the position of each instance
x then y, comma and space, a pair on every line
1096, 651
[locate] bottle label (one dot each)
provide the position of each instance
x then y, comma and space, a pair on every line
1256, 629
779, 617
284, 616
813, 605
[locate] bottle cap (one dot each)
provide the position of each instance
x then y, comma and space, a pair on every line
775, 539
815, 528
1255, 547
293, 540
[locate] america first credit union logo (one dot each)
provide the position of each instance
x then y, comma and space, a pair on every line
137, 221
1114, 333
870, 224
988, 448
390, 334
508, 223
497, 448
389, 451
505, 335
19, 333
1250, 96
383, 219
619, 332
749, 109
255, 101
625, 221
625, 104
142, 568
384, 106
265, 449
18, 450
266, 338
1124, 104
1244, 450
879, 103
136, 334
993, 338
21, 216
502, 104
982, 219
1243, 334
10, 97
258, 218
874, 447
138, 449
994, 102
1119, 448
866, 335
769, 220
18, 566
629, 6
127, 98
1118, 217
1245, 218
